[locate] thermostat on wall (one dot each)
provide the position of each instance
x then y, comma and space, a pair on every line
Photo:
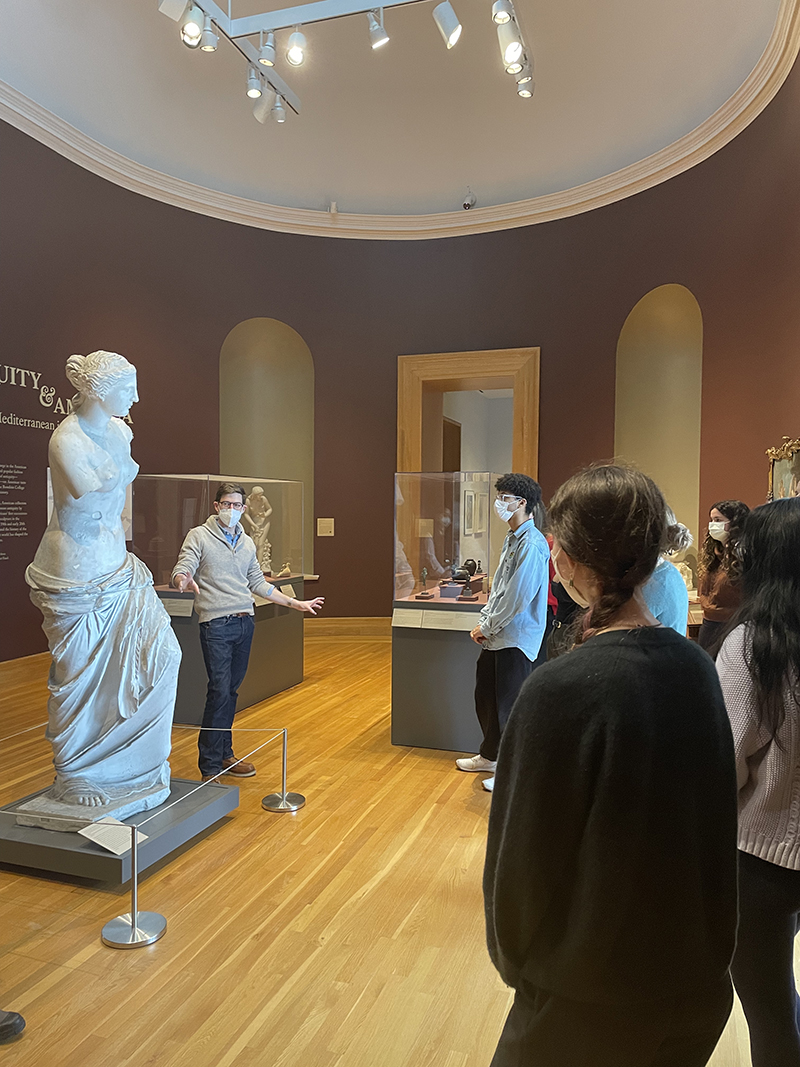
324, 527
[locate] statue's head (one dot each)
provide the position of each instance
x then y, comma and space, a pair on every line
101, 376
256, 491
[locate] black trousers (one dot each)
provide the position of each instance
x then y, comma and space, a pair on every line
763, 966
543, 1030
498, 680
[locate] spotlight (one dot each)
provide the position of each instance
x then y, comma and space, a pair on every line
377, 34
511, 46
514, 68
525, 89
447, 20
253, 84
526, 74
297, 49
208, 39
266, 54
262, 107
278, 110
192, 26
502, 11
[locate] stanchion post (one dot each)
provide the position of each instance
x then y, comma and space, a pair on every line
137, 928
283, 801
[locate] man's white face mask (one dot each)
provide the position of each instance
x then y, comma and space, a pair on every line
228, 516
505, 509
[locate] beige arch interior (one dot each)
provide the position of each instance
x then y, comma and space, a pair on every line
658, 395
266, 408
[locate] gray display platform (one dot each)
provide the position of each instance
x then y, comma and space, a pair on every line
70, 853
433, 677
276, 656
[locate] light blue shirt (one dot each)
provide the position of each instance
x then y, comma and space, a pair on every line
230, 535
516, 612
666, 596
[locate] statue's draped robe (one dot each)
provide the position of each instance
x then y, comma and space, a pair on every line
112, 680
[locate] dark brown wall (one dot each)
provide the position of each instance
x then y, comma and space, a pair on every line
86, 264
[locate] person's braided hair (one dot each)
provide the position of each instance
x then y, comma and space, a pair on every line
611, 519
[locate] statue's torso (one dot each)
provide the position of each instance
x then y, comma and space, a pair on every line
85, 539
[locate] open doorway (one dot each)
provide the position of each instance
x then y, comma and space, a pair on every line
490, 401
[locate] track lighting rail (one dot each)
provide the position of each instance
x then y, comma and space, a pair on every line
304, 14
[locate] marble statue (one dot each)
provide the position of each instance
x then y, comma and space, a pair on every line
256, 522
115, 660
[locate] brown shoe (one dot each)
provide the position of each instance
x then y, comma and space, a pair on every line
238, 768
210, 778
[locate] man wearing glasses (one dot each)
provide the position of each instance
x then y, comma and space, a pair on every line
218, 563
512, 623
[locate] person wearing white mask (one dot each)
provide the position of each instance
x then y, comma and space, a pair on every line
218, 563
718, 590
512, 622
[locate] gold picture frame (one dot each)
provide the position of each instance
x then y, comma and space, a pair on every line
784, 470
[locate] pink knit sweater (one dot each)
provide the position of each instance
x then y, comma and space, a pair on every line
768, 776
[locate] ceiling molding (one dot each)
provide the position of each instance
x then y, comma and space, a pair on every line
736, 114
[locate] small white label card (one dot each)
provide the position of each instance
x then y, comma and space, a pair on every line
112, 834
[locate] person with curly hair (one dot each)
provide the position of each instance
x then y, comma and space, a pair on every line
512, 623
719, 589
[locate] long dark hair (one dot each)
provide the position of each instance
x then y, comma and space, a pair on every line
769, 547
613, 520
735, 511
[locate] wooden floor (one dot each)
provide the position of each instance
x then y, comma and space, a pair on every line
349, 934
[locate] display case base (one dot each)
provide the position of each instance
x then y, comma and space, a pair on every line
72, 854
433, 687
276, 655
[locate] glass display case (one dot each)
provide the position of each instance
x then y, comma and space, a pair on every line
448, 539
166, 506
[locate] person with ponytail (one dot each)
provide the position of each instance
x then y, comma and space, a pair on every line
718, 588
610, 877
759, 668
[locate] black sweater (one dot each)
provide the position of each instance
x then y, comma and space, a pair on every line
611, 860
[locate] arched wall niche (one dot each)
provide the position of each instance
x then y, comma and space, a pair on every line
659, 375
266, 410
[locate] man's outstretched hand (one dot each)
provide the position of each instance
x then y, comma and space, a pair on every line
311, 606
184, 583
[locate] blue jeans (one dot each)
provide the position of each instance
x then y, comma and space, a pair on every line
226, 650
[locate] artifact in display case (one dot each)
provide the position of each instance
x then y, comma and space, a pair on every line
444, 531
167, 506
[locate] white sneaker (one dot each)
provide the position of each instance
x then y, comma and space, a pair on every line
488, 784
475, 763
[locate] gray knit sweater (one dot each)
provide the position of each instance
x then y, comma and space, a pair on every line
768, 775
225, 575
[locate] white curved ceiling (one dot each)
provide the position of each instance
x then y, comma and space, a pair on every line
401, 131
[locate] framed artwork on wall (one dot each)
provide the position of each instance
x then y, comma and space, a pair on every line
469, 512
481, 513
784, 469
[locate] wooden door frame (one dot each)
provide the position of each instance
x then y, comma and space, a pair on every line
458, 371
